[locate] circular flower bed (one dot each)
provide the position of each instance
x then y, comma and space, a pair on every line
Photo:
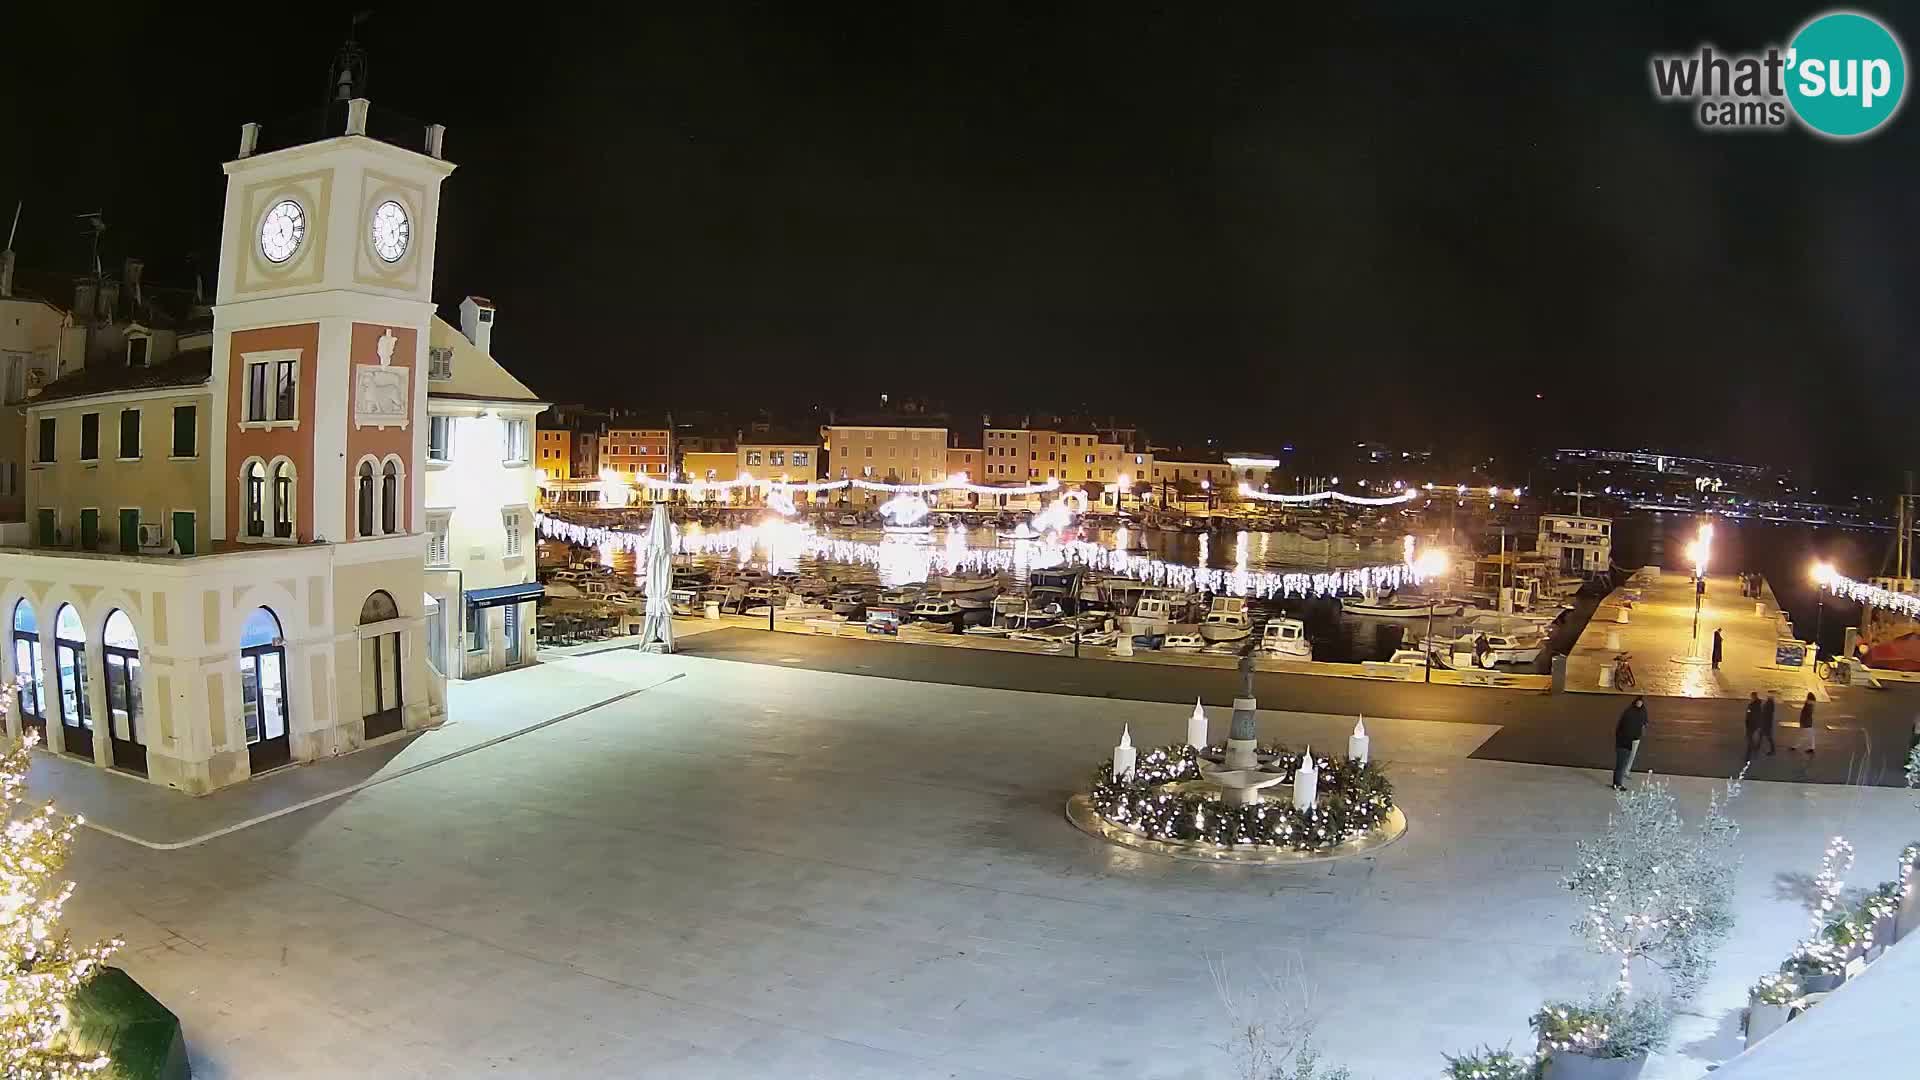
1160, 801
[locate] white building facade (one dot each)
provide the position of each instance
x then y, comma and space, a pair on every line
1575, 544
481, 491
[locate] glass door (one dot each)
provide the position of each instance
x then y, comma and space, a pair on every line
70, 667
123, 711
263, 691
380, 684
26, 659
513, 634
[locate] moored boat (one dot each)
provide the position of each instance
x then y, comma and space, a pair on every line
1227, 620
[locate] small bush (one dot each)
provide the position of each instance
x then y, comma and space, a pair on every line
1612, 1027
1491, 1064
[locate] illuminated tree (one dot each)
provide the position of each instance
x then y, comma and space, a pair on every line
40, 969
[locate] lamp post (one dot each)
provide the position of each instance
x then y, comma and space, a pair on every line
1431, 564
1822, 574
1699, 553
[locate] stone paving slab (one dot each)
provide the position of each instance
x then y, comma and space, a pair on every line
1661, 629
763, 871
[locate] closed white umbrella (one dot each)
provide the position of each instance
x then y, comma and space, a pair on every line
657, 635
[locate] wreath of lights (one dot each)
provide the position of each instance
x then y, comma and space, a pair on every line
1354, 799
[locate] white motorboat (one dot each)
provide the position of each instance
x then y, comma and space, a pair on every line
685, 601
958, 585
937, 608
1414, 658
849, 521
1466, 650
849, 602
903, 595
976, 601
989, 631
1056, 635
1151, 616
1183, 643
1227, 620
1399, 607
1286, 637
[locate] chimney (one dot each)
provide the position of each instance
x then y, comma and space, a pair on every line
6, 272
84, 291
109, 299
476, 321
133, 269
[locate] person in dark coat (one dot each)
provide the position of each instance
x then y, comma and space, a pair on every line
1767, 709
1806, 721
1718, 648
1626, 740
1755, 723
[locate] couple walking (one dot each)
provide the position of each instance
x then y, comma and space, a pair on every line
1760, 722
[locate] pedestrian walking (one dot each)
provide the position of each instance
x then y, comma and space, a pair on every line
1626, 740
1767, 709
1806, 722
1718, 648
1754, 723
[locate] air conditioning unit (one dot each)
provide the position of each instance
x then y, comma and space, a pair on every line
152, 538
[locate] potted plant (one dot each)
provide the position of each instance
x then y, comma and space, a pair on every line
1817, 967
1607, 1039
1770, 1004
1848, 934
1490, 1064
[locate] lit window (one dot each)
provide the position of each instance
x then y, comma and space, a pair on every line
272, 395
513, 448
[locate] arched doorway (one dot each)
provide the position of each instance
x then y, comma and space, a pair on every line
120, 650
380, 700
26, 662
70, 672
263, 691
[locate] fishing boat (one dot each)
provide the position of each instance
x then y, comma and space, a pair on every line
1183, 643
1396, 607
685, 601
1466, 650
1286, 637
937, 609
849, 521
1054, 635
988, 631
1151, 615
1227, 620
728, 596
850, 602
958, 585
903, 596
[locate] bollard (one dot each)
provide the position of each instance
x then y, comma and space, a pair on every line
713, 610
1613, 641
1620, 616
1759, 608
1606, 676
1123, 645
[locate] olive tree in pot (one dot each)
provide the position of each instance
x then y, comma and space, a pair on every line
1659, 891
1604, 1039
1770, 1004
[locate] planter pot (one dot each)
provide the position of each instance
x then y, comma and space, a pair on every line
1883, 935
1909, 918
1821, 982
1763, 1020
1568, 1066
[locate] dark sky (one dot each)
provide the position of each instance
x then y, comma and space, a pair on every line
1264, 223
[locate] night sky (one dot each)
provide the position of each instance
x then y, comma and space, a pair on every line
1287, 226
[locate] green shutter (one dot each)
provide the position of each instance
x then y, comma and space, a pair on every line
46, 528
183, 530
129, 530
89, 529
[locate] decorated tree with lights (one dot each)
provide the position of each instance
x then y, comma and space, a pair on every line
40, 968
1657, 890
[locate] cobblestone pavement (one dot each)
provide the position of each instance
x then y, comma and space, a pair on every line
756, 871
1659, 634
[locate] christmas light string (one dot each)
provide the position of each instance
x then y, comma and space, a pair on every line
1873, 596
956, 482
789, 542
1406, 496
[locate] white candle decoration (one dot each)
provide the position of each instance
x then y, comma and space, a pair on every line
1197, 727
1306, 782
1124, 755
1357, 742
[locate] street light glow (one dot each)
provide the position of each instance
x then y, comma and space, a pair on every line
1700, 549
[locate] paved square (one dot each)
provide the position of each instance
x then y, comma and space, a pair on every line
754, 871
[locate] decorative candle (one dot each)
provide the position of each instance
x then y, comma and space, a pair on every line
1306, 782
1357, 742
1197, 727
1124, 755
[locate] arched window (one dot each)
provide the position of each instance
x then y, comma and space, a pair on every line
70, 673
263, 691
390, 498
283, 478
120, 652
363, 499
256, 496
26, 663
378, 608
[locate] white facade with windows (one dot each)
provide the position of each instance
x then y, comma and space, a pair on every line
1576, 545
482, 488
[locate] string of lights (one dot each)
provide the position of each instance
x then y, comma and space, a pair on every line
1329, 496
787, 542
1874, 596
956, 482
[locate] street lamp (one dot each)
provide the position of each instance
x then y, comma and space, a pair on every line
1430, 565
1699, 553
1823, 574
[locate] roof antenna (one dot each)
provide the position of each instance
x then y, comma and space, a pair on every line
347, 79
96, 224
15, 231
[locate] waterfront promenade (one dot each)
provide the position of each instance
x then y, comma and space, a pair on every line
1660, 630
741, 870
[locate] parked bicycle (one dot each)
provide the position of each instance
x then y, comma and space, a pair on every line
1623, 672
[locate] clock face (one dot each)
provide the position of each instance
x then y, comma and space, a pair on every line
391, 231
282, 230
